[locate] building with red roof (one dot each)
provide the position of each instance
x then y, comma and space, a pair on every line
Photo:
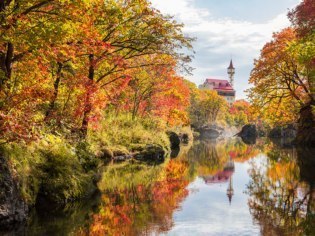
223, 87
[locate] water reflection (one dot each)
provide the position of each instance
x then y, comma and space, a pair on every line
223, 176
253, 189
282, 192
142, 201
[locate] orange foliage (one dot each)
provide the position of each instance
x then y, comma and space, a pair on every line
129, 212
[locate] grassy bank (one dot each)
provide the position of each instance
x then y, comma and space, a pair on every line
63, 169
122, 135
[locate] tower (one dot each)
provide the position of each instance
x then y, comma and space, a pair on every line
231, 72
230, 190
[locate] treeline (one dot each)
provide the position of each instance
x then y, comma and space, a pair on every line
63, 63
283, 77
209, 108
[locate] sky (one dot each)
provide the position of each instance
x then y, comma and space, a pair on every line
226, 29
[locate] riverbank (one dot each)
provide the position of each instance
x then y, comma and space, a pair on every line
61, 168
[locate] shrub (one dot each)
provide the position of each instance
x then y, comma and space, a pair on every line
23, 161
63, 177
122, 133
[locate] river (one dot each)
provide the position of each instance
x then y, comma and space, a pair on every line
220, 187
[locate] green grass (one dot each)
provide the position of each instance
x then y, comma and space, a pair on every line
123, 134
50, 167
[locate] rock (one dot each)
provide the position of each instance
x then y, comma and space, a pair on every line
184, 138
174, 139
306, 127
107, 153
283, 132
283, 136
151, 153
13, 208
120, 152
209, 133
175, 152
249, 140
116, 153
248, 131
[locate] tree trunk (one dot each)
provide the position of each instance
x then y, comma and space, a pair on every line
6, 65
306, 126
87, 105
56, 90
135, 105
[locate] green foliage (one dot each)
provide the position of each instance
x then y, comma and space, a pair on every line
63, 177
121, 132
53, 168
238, 119
24, 161
85, 155
207, 107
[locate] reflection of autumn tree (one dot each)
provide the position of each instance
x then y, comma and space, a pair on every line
279, 201
207, 157
241, 152
141, 208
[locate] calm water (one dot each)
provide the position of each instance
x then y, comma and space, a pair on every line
210, 188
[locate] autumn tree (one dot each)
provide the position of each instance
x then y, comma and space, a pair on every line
172, 103
146, 82
19, 23
279, 77
239, 113
59, 67
132, 29
206, 107
303, 17
25, 28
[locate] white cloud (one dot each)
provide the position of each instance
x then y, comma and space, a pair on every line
218, 39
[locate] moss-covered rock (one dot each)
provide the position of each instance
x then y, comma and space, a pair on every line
13, 207
288, 131
248, 131
152, 152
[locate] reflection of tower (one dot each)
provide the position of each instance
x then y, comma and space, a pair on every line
230, 190
231, 72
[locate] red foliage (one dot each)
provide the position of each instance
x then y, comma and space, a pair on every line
303, 17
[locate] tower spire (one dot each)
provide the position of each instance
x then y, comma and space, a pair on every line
231, 72
230, 190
